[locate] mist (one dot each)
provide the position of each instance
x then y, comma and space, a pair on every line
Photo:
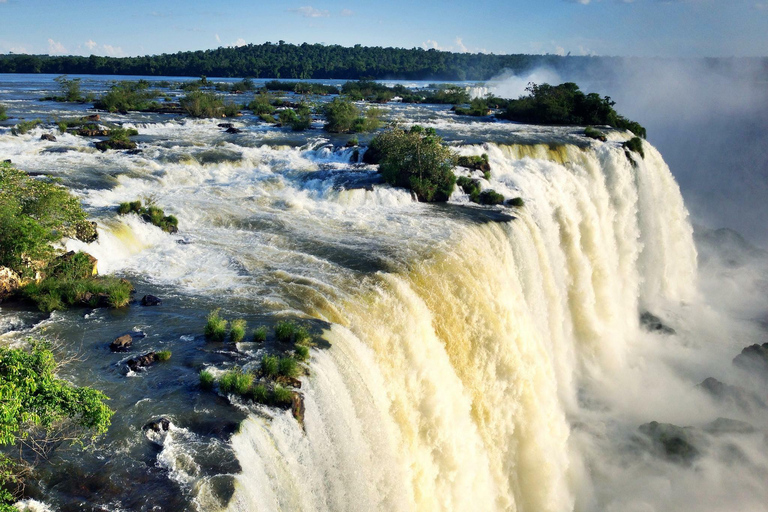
709, 119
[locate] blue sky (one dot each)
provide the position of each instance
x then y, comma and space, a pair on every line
666, 28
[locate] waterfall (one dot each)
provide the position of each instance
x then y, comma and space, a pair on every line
454, 384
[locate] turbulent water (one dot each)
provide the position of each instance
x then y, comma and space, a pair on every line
477, 358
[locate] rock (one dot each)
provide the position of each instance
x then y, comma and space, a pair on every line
232, 129
288, 381
297, 407
151, 300
97, 300
137, 363
734, 395
9, 282
226, 125
49, 137
754, 358
652, 323
85, 231
104, 145
92, 117
92, 132
134, 152
729, 426
161, 424
671, 442
122, 343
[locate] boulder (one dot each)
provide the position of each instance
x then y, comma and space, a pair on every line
161, 424
92, 132
754, 358
226, 125
85, 231
104, 145
151, 300
48, 136
137, 363
652, 323
232, 129
290, 382
92, 117
734, 395
297, 407
9, 282
676, 444
728, 426
122, 343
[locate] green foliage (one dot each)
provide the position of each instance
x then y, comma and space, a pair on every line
285, 330
594, 133
477, 163
267, 118
126, 95
79, 265
261, 104
288, 367
517, 202
635, 144
33, 214
70, 90
260, 334
470, 186
260, 394
478, 107
340, 115
206, 379
216, 327
282, 396
25, 126
163, 355
270, 366
152, 214
416, 160
207, 104
302, 352
237, 330
40, 409
299, 120
3, 112
565, 104
235, 381
57, 293
490, 197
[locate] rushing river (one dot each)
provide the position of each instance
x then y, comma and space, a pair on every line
468, 358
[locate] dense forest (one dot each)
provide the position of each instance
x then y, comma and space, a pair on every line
305, 61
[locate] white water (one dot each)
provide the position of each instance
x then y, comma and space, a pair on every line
455, 385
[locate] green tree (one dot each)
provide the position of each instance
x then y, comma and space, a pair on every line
70, 89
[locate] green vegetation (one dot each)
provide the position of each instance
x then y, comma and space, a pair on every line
3, 112
301, 87
287, 331
417, 160
119, 138
61, 292
235, 381
25, 126
126, 95
206, 379
517, 202
635, 144
207, 104
216, 327
302, 352
299, 119
490, 197
152, 214
343, 116
288, 367
260, 334
243, 85
237, 330
565, 104
594, 133
476, 163
163, 355
262, 104
270, 366
282, 396
478, 107
69, 89
39, 412
471, 187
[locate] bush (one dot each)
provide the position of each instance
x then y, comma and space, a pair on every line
593, 133
490, 197
469, 186
237, 330
282, 396
69, 89
298, 121
476, 163
260, 334
207, 104
285, 330
3, 112
259, 394
152, 214
478, 107
261, 104
235, 381
416, 160
635, 144
288, 367
216, 327
25, 126
301, 335
206, 379
270, 366
302, 352
517, 202
126, 95
56, 293
163, 355
343, 116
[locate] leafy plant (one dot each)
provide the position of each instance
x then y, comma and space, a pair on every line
270, 366
282, 396
237, 330
288, 367
635, 144
163, 355
152, 214
25, 126
3, 112
215, 327
206, 379
260, 334
302, 352
594, 133
517, 202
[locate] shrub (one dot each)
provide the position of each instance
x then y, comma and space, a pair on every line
635, 144
416, 160
259, 394
152, 214
126, 95
261, 104
302, 352
285, 330
260, 334
3, 112
25, 126
267, 118
56, 293
340, 115
235, 381
301, 335
469, 186
298, 121
517, 202
69, 88
206, 379
270, 366
163, 355
237, 330
288, 367
593, 133
282, 396
216, 327
478, 107
490, 197
206, 104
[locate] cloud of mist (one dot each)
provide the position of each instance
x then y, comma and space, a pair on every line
709, 119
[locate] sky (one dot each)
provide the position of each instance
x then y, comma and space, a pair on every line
643, 28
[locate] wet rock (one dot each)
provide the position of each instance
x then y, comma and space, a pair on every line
92, 132
95, 300
652, 323
226, 125
161, 424
288, 381
92, 117
754, 358
734, 395
137, 363
297, 407
134, 152
9, 282
729, 426
48, 136
232, 129
85, 231
105, 145
676, 444
122, 343
151, 300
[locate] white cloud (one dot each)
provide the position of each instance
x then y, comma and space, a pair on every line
113, 51
460, 45
310, 12
218, 39
91, 44
347, 12
240, 42
429, 43
55, 47
559, 50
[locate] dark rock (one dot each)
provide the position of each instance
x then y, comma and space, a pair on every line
161, 424
85, 231
297, 407
92, 117
474, 163
754, 358
7, 161
290, 382
729, 426
151, 300
104, 145
232, 129
48, 136
92, 132
226, 125
122, 343
652, 323
134, 152
734, 395
137, 363
676, 444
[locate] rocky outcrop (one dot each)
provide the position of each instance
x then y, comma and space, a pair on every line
161, 424
734, 395
652, 323
92, 132
140, 362
122, 343
232, 129
676, 444
297, 407
9, 282
105, 145
92, 118
48, 136
151, 300
754, 358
